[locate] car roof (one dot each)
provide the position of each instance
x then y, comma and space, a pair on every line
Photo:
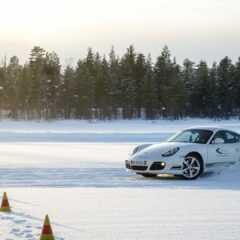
211, 128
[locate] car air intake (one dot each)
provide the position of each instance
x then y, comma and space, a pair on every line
139, 168
157, 166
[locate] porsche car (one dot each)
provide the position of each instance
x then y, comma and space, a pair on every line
189, 153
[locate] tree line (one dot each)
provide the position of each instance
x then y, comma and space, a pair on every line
110, 87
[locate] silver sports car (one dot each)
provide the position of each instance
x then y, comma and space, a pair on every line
189, 153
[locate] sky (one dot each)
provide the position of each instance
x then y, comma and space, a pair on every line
199, 30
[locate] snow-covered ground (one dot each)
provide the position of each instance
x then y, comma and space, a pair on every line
120, 213
83, 186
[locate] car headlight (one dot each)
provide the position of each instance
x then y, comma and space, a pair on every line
171, 152
134, 150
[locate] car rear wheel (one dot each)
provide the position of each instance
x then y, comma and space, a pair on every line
148, 175
192, 167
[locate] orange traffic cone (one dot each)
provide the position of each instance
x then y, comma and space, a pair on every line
47, 233
5, 207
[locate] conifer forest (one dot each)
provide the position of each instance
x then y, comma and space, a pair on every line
112, 87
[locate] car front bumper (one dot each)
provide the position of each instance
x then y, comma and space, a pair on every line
168, 165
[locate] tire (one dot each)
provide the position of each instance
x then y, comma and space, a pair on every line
148, 175
192, 166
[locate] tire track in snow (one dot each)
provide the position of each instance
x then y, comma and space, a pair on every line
111, 178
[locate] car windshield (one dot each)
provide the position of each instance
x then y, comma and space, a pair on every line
192, 136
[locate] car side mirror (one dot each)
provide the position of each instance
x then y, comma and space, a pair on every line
218, 141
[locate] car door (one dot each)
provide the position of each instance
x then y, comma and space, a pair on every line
223, 149
234, 140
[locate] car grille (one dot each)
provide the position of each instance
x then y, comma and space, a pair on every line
139, 168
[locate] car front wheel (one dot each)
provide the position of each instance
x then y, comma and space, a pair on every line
192, 167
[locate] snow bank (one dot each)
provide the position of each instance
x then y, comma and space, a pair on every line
115, 126
99, 131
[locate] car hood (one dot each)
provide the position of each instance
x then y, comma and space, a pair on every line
162, 148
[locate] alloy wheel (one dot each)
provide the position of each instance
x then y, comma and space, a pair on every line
191, 167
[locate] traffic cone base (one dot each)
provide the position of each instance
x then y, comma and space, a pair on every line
47, 233
5, 207
47, 237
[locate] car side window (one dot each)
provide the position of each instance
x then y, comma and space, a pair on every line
220, 134
228, 137
237, 138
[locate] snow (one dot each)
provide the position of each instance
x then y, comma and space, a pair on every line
79, 179
120, 213
63, 155
118, 126
85, 165
101, 131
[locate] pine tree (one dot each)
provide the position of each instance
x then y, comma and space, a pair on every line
237, 86
203, 93
37, 98
176, 92
53, 77
169, 85
128, 71
66, 93
85, 86
2, 89
213, 106
225, 86
13, 74
149, 97
24, 93
140, 69
115, 94
190, 82
161, 77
